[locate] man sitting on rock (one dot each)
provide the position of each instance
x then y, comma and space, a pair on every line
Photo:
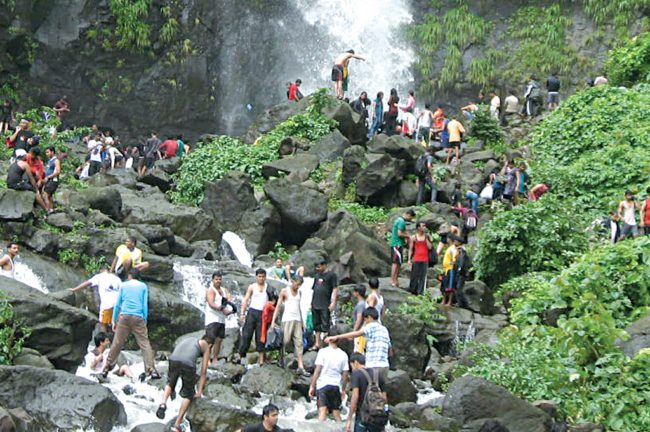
128, 256
182, 364
108, 286
269, 421
285, 272
96, 359
20, 177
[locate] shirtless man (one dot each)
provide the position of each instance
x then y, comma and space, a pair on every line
7, 268
340, 64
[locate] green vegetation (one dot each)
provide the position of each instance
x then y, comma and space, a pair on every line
12, 333
211, 161
486, 128
130, 27
71, 257
366, 214
576, 361
630, 63
279, 252
423, 307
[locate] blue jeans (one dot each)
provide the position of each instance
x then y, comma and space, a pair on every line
422, 190
376, 123
473, 197
360, 427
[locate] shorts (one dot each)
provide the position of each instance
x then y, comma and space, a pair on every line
337, 73
454, 144
330, 397
188, 376
23, 185
396, 254
449, 282
553, 97
629, 229
5, 118
444, 142
149, 161
321, 318
51, 187
106, 316
216, 330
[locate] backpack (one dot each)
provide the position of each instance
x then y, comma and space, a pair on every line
433, 257
421, 166
535, 92
273, 339
372, 408
463, 262
471, 220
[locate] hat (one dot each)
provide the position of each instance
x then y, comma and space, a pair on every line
20, 153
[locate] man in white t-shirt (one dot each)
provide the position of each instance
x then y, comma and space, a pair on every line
495, 105
331, 366
108, 286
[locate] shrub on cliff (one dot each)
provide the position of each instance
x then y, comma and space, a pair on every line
630, 63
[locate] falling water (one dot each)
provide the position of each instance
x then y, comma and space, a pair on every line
27, 276
459, 337
238, 247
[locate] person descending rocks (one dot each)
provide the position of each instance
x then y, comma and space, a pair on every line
339, 71
130, 315
182, 364
330, 379
128, 256
292, 322
323, 301
449, 280
368, 411
108, 285
269, 421
51, 181
398, 240
376, 300
257, 295
420, 246
218, 305
7, 267
359, 294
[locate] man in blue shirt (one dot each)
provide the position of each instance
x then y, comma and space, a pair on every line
130, 316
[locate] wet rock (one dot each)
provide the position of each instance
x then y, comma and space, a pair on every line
53, 275
207, 416
472, 400
301, 209
429, 419
267, 379
261, 228
271, 117
227, 199
300, 164
31, 357
6, 422
226, 395
399, 388
59, 331
151, 427
170, 166
350, 124
479, 156
61, 221
397, 147
106, 200
354, 159
290, 145
23, 421
126, 178
639, 332
479, 297
158, 178
408, 336
378, 181
15, 205
330, 147
181, 247
80, 404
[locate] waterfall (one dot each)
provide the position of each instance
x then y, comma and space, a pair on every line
27, 276
238, 248
373, 28
459, 337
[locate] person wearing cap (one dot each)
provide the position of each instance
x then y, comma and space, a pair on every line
323, 300
20, 177
340, 66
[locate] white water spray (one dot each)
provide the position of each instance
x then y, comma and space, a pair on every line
27, 276
238, 247
373, 28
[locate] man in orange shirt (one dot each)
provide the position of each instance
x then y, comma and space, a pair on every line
456, 131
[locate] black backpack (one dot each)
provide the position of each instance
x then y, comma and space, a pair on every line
372, 408
421, 168
463, 262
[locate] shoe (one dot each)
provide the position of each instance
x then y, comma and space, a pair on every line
142, 377
161, 411
281, 363
155, 375
302, 372
177, 428
102, 377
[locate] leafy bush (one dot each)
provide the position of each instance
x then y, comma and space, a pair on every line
543, 235
279, 252
366, 214
12, 334
630, 64
486, 128
211, 161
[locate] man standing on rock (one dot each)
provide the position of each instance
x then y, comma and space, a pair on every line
269, 421
182, 364
292, 323
218, 305
7, 268
397, 242
329, 380
51, 180
108, 286
130, 315
360, 380
127, 256
340, 65
258, 296
323, 301
456, 131
553, 88
377, 115
428, 178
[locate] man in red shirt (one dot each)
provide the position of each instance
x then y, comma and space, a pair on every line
170, 146
294, 93
35, 163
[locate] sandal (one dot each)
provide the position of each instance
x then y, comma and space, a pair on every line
161, 411
155, 375
177, 428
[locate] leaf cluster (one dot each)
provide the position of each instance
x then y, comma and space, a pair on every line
630, 63
12, 333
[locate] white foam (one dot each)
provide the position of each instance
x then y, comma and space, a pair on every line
238, 246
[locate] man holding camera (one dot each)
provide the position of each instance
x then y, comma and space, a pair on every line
627, 212
218, 305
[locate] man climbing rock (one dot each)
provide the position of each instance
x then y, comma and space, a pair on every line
339, 69
398, 240
108, 286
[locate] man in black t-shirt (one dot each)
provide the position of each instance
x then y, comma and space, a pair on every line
269, 421
21, 135
359, 385
323, 301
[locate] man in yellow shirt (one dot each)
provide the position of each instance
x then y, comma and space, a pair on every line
449, 283
456, 130
128, 256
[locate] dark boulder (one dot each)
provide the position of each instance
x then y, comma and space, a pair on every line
272, 117
471, 401
59, 401
53, 275
479, 156
170, 166
207, 416
229, 198
261, 228
158, 178
60, 220
266, 379
330, 147
479, 297
151, 427
106, 200
398, 147
399, 387
408, 336
351, 124
301, 209
31, 357
379, 180
126, 178
354, 159
639, 332
301, 164
59, 331
15, 205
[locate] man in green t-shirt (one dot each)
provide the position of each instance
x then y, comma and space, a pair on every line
397, 242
